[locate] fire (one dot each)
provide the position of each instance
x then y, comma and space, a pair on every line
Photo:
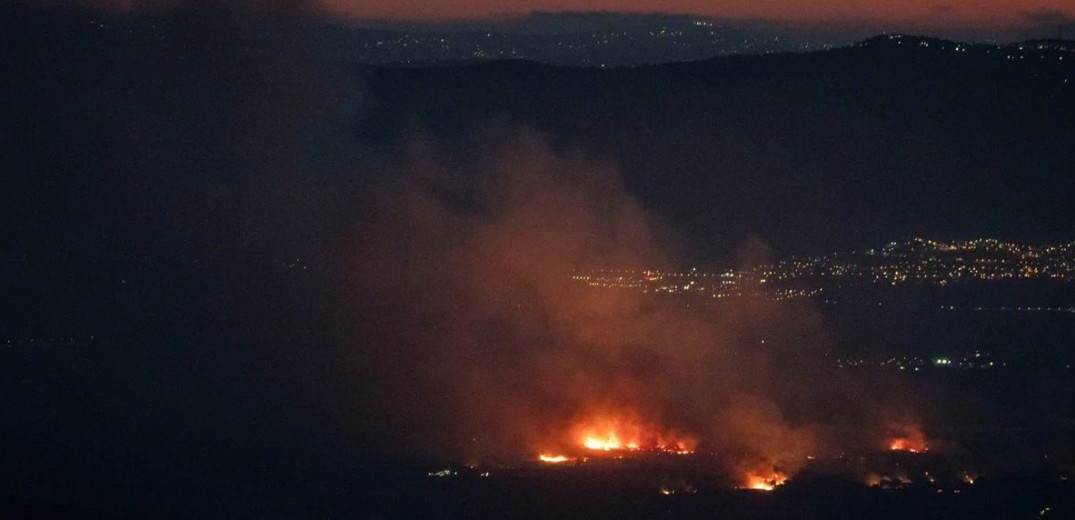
912, 440
905, 445
552, 459
617, 435
764, 481
611, 443
629, 434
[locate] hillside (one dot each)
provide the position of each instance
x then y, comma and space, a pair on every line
900, 137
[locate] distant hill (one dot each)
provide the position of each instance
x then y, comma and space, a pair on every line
576, 39
893, 136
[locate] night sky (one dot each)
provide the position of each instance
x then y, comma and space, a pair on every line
996, 19
910, 13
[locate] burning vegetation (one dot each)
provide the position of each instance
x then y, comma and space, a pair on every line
553, 459
467, 296
765, 482
910, 439
620, 434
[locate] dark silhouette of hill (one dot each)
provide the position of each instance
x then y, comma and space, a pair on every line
895, 136
889, 137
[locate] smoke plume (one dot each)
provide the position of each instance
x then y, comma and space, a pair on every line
484, 346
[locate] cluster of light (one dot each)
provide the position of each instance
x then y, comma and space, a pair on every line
978, 360
901, 480
919, 260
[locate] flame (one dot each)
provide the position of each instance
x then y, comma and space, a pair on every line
764, 481
552, 459
912, 440
619, 433
761, 474
611, 443
905, 445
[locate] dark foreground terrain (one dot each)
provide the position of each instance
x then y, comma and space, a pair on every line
565, 493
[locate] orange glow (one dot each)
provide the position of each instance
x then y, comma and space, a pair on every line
611, 443
905, 445
912, 440
897, 481
552, 459
873, 480
625, 433
762, 474
764, 481
617, 435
